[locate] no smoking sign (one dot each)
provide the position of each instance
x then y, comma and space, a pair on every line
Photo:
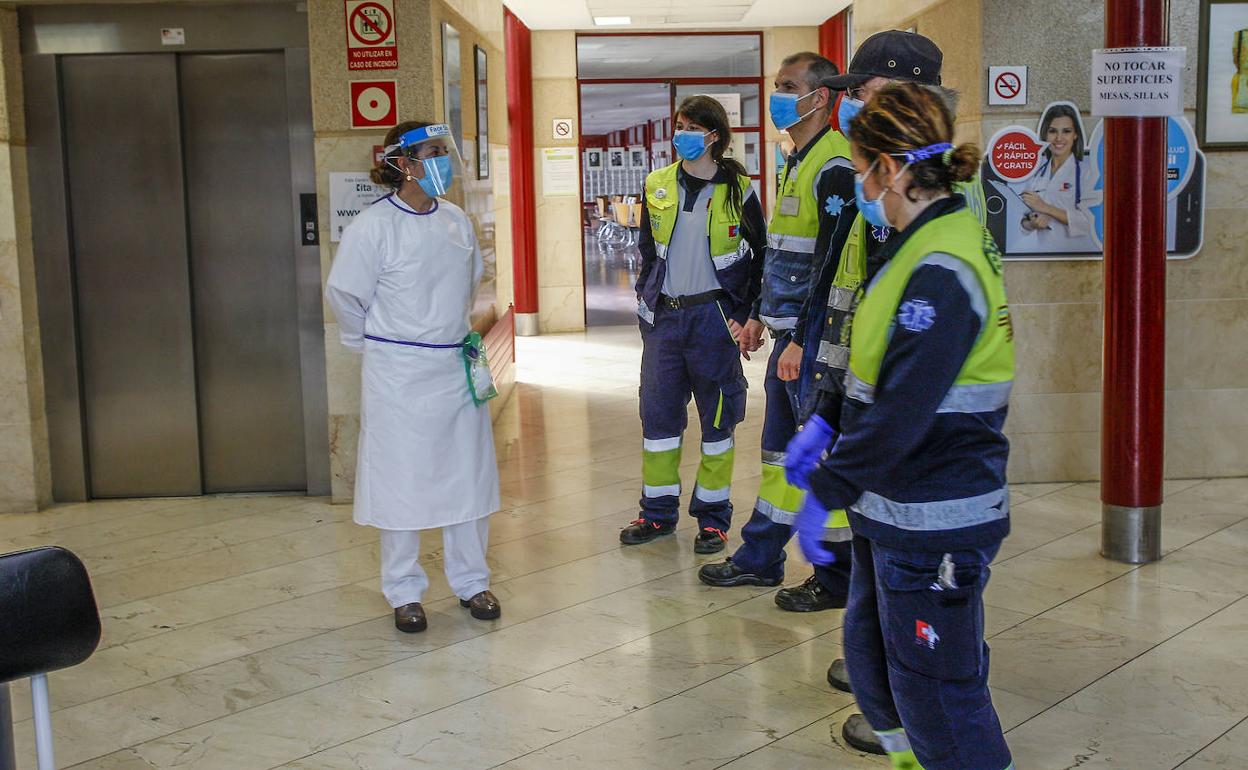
1007, 86
371, 40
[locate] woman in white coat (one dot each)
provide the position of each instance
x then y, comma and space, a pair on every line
402, 288
1056, 193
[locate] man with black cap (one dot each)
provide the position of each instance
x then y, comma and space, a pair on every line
881, 59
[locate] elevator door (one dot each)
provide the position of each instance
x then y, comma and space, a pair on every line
180, 208
236, 135
127, 204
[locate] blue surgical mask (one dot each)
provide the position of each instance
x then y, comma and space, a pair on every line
439, 173
848, 110
690, 145
871, 210
783, 109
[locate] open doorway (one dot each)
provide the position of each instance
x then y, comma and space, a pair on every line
625, 132
629, 87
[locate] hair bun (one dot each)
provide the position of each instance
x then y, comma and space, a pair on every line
385, 176
963, 162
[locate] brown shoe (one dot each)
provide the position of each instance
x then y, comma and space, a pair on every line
410, 618
483, 606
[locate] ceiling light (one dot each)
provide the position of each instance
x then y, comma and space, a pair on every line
613, 21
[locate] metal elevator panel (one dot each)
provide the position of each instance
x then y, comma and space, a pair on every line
123, 166
106, 431
238, 182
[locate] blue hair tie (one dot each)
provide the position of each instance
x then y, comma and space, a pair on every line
923, 153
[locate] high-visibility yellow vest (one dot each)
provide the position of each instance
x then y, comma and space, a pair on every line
796, 231
984, 381
722, 225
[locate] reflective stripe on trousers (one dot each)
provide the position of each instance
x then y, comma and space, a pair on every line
715, 472
778, 500
660, 467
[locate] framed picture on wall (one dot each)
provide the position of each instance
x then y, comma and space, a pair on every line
451, 85
616, 158
593, 159
483, 113
637, 158
1222, 109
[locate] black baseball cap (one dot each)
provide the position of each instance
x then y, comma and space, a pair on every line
895, 55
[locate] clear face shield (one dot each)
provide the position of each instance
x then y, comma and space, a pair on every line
429, 157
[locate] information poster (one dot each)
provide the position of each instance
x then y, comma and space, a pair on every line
559, 171
1045, 188
349, 193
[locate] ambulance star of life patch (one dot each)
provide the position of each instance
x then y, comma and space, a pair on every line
916, 315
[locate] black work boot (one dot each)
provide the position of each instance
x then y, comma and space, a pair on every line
810, 596
642, 531
725, 574
838, 676
710, 540
858, 734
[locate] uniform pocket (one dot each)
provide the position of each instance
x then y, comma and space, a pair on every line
929, 630
731, 410
724, 316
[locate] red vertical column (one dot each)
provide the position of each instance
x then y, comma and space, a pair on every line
833, 37
1133, 396
833, 42
520, 132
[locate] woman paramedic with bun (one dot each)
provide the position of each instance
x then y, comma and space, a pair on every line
920, 461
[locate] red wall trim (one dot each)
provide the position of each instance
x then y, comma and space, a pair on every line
832, 40
520, 126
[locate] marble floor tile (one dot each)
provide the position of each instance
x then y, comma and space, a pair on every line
512, 653
1194, 698
1157, 601
1062, 739
1228, 752
187, 542
685, 732
1023, 492
1047, 576
246, 682
817, 746
69, 515
1048, 661
147, 580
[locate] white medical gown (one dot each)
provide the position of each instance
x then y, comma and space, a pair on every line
426, 451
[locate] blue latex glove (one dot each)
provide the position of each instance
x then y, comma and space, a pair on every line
805, 449
811, 526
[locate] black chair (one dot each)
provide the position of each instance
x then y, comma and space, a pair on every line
48, 621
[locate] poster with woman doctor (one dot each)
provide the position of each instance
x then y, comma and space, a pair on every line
1056, 196
1044, 188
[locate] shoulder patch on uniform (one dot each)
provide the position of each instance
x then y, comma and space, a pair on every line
880, 233
834, 205
916, 315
